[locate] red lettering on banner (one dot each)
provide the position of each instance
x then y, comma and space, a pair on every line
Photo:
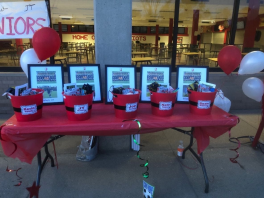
2, 30
10, 25
139, 38
40, 19
29, 25
92, 37
79, 37
16, 22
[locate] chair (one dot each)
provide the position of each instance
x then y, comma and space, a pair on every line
15, 55
163, 55
250, 49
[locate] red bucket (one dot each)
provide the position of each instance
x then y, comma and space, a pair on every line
28, 108
201, 102
78, 108
126, 105
162, 103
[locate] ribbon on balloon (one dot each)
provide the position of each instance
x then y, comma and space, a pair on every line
146, 173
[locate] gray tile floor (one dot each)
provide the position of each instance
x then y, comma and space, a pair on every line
117, 174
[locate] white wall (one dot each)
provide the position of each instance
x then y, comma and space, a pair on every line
239, 38
218, 38
207, 37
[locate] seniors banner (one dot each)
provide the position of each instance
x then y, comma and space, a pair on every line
22, 19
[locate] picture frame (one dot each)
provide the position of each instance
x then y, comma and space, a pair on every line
69, 86
158, 73
187, 75
87, 73
116, 75
19, 89
48, 77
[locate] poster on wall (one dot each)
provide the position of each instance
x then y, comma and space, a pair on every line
48, 78
187, 75
118, 76
22, 19
87, 73
150, 74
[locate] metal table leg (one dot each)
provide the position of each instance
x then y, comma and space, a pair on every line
198, 157
39, 168
41, 163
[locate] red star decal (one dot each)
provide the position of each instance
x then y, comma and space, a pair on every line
33, 190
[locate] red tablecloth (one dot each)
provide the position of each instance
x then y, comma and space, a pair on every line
24, 139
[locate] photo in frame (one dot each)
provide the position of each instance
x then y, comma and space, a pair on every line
87, 73
118, 75
187, 75
50, 79
150, 74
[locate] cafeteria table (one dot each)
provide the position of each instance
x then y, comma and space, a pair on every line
76, 53
24, 140
189, 55
60, 59
139, 53
143, 59
215, 60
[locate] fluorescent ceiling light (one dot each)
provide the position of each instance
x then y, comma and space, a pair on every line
69, 17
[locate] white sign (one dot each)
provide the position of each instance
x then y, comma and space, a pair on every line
131, 107
165, 105
81, 109
29, 109
204, 104
22, 19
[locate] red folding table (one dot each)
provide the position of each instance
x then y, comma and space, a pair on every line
24, 140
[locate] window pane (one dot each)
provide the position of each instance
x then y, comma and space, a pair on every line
56, 27
181, 30
82, 28
75, 28
64, 28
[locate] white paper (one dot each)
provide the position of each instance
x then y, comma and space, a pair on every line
22, 19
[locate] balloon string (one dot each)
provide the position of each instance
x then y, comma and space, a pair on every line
234, 160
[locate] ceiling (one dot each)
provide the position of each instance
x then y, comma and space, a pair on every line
143, 11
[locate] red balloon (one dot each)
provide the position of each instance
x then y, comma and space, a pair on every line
46, 42
229, 58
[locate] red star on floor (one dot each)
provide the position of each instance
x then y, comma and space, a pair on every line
33, 190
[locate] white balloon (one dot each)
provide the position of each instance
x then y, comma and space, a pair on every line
253, 88
29, 57
252, 63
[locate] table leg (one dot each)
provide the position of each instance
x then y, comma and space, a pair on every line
41, 163
205, 174
259, 131
39, 168
200, 160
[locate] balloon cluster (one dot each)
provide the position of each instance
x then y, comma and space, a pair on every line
46, 43
229, 59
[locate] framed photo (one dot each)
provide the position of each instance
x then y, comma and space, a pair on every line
187, 75
87, 73
150, 74
69, 86
50, 79
118, 76
19, 89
